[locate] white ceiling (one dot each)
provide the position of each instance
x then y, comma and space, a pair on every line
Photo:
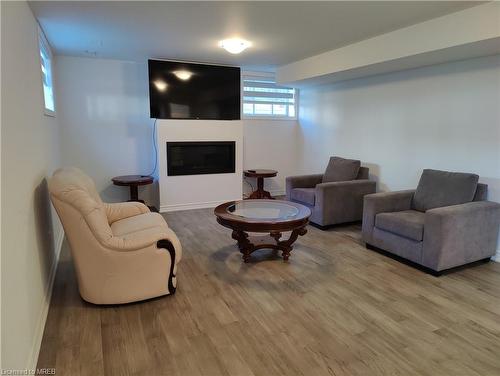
282, 32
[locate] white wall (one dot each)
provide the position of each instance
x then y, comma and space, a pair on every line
31, 233
270, 144
105, 126
106, 102
444, 116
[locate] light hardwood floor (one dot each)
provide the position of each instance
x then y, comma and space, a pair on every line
334, 309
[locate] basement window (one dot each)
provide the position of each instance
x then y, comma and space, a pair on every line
46, 67
263, 98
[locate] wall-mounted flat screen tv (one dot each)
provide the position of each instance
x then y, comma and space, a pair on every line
179, 90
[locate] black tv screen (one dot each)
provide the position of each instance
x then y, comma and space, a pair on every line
179, 90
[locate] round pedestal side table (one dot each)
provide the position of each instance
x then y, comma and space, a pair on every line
260, 174
133, 182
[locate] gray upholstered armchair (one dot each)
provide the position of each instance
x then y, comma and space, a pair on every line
444, 223
335, 196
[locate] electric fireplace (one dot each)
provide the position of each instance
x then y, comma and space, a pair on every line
196, 158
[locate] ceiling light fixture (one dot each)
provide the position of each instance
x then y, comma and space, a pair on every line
183, 75
160, 85
234, 45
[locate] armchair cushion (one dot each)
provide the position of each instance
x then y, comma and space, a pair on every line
407, 223
122, 210
303, 195
146, 239
384, 202
137, 223
442, 188
340, 169
301, 181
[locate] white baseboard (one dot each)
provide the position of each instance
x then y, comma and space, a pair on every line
42, 318
205, 205
496, 257
193, 205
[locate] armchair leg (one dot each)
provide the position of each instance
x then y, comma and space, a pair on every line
334, 225
166, 244
435, 273
322, 228
402, 260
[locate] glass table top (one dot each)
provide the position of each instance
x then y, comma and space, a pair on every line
263, 209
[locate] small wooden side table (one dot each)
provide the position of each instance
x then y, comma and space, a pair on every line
260, 193
133, 182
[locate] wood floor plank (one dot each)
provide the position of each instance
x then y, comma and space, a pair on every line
334, 309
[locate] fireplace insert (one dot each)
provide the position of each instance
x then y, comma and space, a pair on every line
205, 157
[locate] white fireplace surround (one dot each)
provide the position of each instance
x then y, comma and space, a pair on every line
198, 191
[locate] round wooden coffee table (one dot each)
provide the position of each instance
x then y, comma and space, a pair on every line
133, 182
263, 216
260, 174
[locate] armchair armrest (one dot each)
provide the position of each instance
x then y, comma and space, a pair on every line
342, 201
144, 239
152, 247
302, 181
122, 210
459, 234
384, 202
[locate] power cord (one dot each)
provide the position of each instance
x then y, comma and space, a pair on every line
155, 148
251, 187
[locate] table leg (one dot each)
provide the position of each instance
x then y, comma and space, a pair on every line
287, 244
243, 244
260, 185
134, 193
260, 192
247, 244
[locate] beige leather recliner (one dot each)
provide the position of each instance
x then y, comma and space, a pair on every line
122, 252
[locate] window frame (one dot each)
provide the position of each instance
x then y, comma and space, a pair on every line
268, 75
43, 43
